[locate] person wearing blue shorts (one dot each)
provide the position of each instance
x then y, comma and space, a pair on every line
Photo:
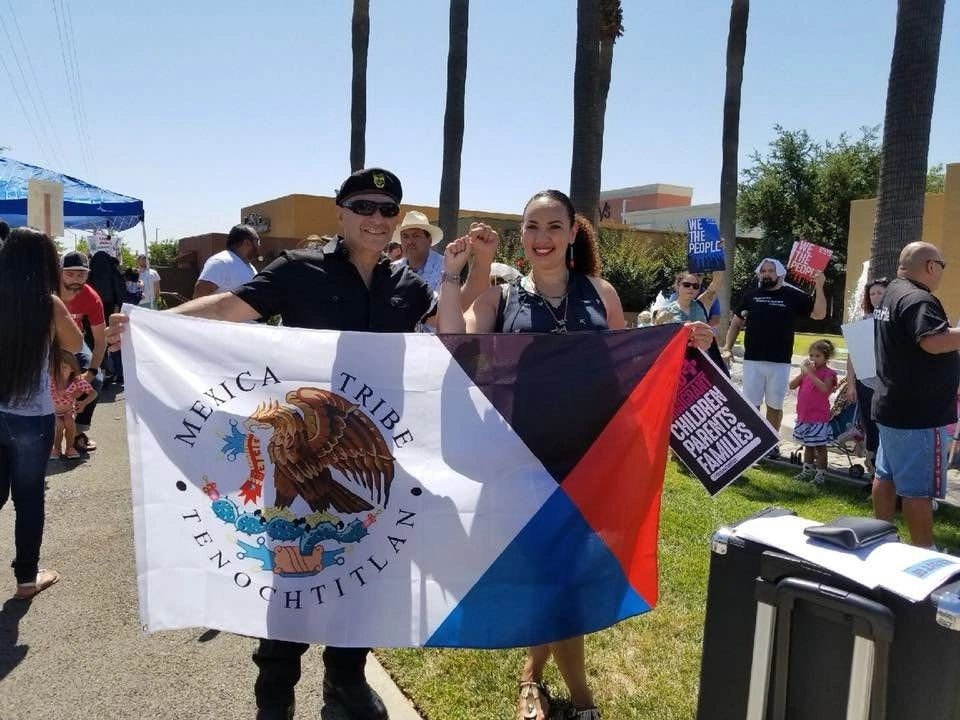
918, 371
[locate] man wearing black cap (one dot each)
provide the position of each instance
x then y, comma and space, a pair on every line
349, 286
85, 306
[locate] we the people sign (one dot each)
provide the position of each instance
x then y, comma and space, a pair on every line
704, 246
807, 259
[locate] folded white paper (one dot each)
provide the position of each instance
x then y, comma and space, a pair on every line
908, 571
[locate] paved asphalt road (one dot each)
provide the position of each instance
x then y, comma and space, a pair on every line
78, 650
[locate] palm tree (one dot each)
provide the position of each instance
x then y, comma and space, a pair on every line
906, 131
736, 51
587, 150
358, 94
453, 118
599, 24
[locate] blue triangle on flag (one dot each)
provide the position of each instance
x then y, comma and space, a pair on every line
556, 579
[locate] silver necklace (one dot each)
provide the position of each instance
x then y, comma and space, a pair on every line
560, 323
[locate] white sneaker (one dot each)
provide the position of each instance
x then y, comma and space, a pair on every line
807, 474
819, 478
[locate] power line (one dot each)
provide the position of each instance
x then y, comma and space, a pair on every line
71, 92
71, 70
43, 120
33, 73
23, 109
72, 45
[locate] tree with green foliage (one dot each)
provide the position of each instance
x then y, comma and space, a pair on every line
936, 178
163, 253
803, 188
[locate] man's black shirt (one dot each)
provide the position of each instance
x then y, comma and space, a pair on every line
916, 389
324, 291
770, 317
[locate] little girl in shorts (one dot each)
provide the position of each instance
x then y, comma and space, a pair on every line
816, 382
66, 384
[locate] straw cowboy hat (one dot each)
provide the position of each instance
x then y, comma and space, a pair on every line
417, 220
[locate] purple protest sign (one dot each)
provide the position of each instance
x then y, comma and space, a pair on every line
716, 433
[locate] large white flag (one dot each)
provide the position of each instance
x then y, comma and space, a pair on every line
362, 489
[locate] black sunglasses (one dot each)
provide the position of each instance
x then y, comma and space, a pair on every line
941, 263
695, 286
369, 207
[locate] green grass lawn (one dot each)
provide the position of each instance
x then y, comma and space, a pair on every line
802, 342
647, 667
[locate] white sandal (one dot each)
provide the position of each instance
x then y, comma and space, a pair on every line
533, 697
29, 590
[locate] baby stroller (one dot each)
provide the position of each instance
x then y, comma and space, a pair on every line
847, 433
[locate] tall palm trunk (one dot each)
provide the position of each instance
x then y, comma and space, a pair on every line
736, 52
604, 69
599, 24
587, 139
906, 132
453, 118
358, 90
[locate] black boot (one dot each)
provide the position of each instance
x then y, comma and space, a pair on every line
359, 700
276, 713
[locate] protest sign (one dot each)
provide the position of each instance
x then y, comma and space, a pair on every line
807, 259
716, 433
103, 241
860, 345
704, 246
45, 206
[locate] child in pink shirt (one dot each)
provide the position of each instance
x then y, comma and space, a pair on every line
815, 382
66, 385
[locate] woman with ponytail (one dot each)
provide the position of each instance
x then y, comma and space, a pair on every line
563, 292
34, 323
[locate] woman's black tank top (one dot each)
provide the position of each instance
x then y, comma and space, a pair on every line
524, 311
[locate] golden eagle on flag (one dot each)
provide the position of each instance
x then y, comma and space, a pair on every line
316, 430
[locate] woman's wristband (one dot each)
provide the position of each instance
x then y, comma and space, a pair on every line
452, 278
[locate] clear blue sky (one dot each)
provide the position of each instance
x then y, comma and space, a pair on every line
201, 108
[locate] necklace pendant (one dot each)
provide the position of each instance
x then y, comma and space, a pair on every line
561, 328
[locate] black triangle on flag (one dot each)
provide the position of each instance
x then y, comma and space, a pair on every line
559, 392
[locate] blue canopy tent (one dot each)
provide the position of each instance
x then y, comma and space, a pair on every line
85, 206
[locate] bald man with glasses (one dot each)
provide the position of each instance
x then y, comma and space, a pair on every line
918, 371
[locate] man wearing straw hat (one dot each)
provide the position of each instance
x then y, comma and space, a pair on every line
417, 236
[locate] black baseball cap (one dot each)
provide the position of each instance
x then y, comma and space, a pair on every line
74, 259
371, 180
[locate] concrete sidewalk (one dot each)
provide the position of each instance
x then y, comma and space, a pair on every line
78, 651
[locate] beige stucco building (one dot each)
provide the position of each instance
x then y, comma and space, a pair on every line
941, 227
